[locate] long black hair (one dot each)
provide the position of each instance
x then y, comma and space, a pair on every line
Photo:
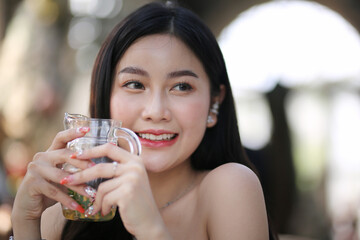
221, 143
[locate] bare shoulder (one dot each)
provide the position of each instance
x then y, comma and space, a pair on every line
232, 198
52, 222
231, 175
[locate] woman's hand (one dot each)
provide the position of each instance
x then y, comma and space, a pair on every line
128, 188
40, 189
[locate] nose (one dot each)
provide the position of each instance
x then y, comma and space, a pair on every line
156, 109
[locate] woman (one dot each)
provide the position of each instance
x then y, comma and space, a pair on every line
160, 72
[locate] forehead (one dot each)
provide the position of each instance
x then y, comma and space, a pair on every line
161, 47
158, 42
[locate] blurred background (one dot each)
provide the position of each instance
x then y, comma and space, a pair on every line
295, 70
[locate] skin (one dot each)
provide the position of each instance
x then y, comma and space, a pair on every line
153, 92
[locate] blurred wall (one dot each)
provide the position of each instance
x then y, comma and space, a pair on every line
40, 79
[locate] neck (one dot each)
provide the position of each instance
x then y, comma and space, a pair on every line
170, 186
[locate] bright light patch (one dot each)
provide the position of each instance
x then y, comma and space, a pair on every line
294, 42
95, 8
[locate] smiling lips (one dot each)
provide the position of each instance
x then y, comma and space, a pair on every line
153, 137
157, 138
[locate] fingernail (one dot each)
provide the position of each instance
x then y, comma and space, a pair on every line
90, 191
79, 153
80, 209
89, 211
113, 143
91, 164
83, 130
66, 180
77, 207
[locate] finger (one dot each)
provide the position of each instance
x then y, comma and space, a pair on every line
55, 175
109, 150
52, 192
48, 172
107, 201
63, 137
110, 200
116, 191
81, 164
52, 158
101, 170
52, 174
56, 158
104, 189
60, 156
82, 189
119, 191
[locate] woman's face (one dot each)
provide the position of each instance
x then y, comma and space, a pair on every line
161, 92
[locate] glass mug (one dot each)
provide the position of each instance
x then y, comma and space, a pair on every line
101, 131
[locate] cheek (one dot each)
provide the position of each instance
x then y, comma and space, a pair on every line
194, 114
115, 107
120, 111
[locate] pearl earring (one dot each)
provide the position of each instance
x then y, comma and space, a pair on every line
210, 120
215, 108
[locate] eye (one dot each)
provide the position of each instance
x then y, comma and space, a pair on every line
183, 87
134, 85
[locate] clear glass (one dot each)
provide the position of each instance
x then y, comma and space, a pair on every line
101, 131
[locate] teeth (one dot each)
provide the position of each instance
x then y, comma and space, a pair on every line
156, 137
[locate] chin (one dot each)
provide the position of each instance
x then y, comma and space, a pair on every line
155, 165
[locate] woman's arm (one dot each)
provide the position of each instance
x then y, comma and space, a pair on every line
52, 222
235, 204
40, 189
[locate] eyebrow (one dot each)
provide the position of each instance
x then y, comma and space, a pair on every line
175, 74
181, 73
134, 70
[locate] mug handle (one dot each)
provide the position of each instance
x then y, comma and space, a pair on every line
131, 138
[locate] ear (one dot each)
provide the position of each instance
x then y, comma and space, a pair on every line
216, 100
222, 93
